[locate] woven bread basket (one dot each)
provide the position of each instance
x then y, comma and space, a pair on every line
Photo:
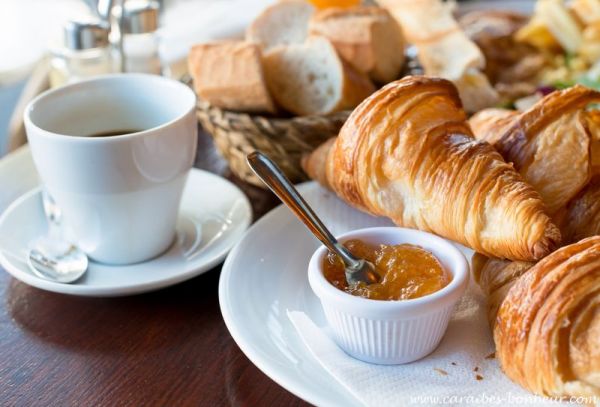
284, 140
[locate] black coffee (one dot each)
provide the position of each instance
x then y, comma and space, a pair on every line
114, 133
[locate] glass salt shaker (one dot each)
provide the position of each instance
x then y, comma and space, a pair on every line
139, 36
85, 52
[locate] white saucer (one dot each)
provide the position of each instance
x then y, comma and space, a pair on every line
265, 276
213, 216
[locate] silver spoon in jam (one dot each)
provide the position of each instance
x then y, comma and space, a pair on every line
356, 270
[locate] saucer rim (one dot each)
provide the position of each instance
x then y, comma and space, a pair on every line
132, 288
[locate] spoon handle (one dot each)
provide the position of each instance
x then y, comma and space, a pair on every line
53, 215
281, 186
51, 210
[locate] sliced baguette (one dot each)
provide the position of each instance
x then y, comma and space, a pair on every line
229, 74
310, 78
367, 37
283, 23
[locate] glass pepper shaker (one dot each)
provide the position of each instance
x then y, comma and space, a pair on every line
85, 52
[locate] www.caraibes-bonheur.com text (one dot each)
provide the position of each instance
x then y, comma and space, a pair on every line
501, 400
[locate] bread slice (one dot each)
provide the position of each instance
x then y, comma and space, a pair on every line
229, 74
283, 23
368, 37
310, 78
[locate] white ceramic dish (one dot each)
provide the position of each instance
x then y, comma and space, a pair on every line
214, 214
265, 276
391, 332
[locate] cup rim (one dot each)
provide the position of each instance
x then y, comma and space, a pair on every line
103, 78
450, 293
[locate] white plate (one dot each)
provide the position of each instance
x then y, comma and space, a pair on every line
265, 275
213, 216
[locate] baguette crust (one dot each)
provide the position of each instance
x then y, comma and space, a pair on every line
229, 74
407, 153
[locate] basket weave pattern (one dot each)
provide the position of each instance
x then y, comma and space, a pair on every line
284, 140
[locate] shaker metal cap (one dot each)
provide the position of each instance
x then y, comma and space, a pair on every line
140, 16
79, 35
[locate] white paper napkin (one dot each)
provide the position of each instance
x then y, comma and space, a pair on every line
448, 376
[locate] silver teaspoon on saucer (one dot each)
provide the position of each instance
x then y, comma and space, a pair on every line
52, 258
357, 270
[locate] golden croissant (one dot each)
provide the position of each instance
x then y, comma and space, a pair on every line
546, 319
554, 144
407, 153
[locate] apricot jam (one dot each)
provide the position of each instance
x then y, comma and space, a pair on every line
407, 271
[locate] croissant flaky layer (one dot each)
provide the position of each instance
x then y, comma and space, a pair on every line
407, 153
496, 277
552, 144
578, 220
546, 319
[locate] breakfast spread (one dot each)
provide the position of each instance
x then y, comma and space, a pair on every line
408, 271
496, 146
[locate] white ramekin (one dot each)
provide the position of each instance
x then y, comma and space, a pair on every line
391, 332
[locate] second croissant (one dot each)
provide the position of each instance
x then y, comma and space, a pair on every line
407, 153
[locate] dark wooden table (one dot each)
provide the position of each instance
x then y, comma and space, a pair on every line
167, 348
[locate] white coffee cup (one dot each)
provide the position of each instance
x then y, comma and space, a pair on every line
119, 194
